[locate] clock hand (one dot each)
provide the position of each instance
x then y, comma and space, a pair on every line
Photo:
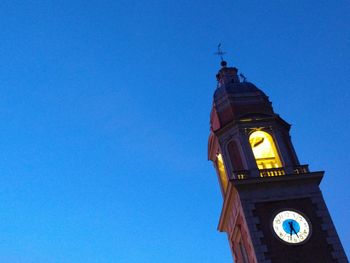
292, 228
295, 232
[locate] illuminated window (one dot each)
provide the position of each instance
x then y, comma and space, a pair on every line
264, 150
222, 172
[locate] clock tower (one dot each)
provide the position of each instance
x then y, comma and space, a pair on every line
273, 210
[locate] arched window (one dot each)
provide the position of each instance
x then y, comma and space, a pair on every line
264, 150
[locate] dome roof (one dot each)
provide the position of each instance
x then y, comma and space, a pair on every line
234, 99
238, 89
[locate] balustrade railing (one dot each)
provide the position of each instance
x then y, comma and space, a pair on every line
242, 174
272, 172
301, 169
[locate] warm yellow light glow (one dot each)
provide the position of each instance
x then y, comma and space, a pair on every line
264, 150
222, 172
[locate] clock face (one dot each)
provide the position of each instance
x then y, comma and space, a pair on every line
291, 227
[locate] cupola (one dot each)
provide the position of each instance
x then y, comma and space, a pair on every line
235, 99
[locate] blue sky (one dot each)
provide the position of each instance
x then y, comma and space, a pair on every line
105, 108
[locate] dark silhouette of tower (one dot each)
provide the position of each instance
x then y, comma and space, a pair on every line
273, 209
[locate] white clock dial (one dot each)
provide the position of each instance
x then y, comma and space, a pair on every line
291, 227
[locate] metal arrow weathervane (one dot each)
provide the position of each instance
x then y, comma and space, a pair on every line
220, 53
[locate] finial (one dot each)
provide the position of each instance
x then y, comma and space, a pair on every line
223, 63
220, 53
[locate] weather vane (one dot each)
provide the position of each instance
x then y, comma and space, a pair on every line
220, 53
